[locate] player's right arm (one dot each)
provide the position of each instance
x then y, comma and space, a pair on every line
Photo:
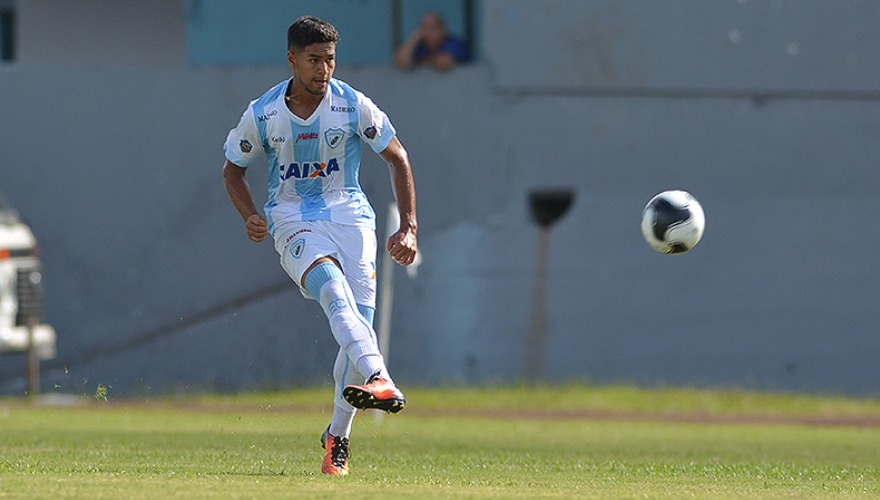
242, 145
239, 192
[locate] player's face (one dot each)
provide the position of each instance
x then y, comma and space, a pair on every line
313, 66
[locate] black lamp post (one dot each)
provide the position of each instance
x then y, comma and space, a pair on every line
547, 207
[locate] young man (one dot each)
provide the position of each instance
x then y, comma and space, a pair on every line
431, 45
311, 128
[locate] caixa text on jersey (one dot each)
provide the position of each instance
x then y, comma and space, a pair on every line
308, 170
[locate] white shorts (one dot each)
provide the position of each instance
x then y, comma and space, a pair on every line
301, 243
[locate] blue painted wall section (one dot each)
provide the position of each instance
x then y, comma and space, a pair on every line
231, 32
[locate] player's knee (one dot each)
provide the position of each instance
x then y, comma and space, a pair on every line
318, 262
319, 275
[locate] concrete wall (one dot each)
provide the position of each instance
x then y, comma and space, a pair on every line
684, 47
99, 32
145, 259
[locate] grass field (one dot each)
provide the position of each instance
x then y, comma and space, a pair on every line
546, 442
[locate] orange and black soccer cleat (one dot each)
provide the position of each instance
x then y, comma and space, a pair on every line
337, 452
376, 394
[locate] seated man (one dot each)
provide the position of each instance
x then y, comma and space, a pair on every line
430, 44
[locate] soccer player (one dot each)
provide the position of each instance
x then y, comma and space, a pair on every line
311, 129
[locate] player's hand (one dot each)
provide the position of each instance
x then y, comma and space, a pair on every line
403, 247
257, 229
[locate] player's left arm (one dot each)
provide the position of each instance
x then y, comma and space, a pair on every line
402, 245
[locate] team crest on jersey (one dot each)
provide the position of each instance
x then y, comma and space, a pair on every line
334, 137
297, 247
370, 132
245, 146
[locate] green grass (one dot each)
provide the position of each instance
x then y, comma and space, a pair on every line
578, 398
574, 442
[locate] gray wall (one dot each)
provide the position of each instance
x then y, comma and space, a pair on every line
685, 47
145, 259
98, 32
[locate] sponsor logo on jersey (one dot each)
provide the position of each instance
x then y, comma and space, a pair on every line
308, 170
342, 109
334, 137
268, 115
280, 138
370, 132
306, 136
245, 146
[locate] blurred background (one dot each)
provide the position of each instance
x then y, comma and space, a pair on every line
113, 114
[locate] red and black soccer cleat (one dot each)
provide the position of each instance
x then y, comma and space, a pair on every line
376, 394
337, 452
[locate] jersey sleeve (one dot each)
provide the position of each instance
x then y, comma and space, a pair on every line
243, 144
374, 127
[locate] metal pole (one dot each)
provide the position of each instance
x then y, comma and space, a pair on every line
386, 284
535, 345
547, 206
386, 291
32, 366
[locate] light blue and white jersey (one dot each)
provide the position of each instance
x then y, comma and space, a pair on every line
314, 162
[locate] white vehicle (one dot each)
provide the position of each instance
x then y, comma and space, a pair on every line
21, 292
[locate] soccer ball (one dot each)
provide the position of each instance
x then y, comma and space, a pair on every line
673, 222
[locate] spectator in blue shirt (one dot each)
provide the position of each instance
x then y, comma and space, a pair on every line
431, 45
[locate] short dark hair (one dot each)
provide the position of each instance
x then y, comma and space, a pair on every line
308, 30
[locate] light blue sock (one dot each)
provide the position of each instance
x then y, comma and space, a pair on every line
320, 274
327, 284
367, 312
